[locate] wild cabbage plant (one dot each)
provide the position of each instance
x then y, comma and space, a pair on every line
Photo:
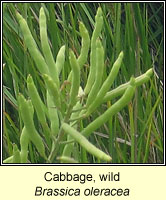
61, 115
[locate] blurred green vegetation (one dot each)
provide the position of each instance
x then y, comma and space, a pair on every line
135, 28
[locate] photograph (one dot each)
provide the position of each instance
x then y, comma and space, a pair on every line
82, 83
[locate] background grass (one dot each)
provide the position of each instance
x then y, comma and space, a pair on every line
134, 135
